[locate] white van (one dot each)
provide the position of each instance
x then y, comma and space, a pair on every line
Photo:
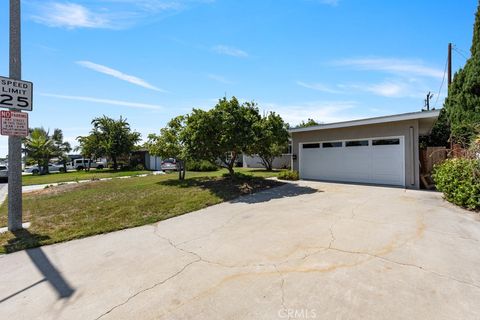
80, 164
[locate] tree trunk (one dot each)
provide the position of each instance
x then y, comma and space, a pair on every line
40, 167
115, 165
231, 164
46, 171
181, 169
267, 162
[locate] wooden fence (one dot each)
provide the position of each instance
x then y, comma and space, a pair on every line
431, 156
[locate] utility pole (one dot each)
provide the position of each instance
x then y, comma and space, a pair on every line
14, 142
449, 65
427, 101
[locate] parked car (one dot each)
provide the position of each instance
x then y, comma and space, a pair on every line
3, 173
51, 168
80, 164
169, 165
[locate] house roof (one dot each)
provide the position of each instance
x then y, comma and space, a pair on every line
431, 115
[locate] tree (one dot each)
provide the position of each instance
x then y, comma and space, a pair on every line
168, 144
41, 147
221, 133
113, 138
440, 134
271, 139
463, 102
90, 147
61, 148
309, 123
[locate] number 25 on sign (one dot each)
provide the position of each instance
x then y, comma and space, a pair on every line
16, 94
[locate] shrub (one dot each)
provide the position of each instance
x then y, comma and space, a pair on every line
459, 180
238, 176
289, 175
139, 167
202, 165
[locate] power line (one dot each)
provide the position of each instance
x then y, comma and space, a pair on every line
460, 52
443, 82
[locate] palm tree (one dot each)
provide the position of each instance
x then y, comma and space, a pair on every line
61, 148
40, 147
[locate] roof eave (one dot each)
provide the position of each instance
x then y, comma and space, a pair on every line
368, 121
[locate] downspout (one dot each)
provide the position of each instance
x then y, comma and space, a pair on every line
412, 149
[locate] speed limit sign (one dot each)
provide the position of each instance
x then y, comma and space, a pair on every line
16, 94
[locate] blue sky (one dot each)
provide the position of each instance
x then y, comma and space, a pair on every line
151, 60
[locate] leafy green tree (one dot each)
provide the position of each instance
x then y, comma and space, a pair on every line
168, 144
221, 133
90, 147
271, 139
41, 147
440, 134
114, 138
463, 102
309, 123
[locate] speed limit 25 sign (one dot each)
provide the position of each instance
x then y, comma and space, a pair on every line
16, 94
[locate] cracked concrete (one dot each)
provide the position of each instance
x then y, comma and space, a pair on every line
342, 252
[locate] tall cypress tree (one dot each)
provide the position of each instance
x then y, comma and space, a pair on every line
463, 102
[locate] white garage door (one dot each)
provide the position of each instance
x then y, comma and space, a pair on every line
370, 160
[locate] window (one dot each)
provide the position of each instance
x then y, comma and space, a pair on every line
331, 145
311, 145
385, 142
357, 143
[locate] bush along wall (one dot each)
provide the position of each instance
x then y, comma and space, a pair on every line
459, 180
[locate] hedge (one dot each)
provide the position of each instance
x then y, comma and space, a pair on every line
288, 175
459, 180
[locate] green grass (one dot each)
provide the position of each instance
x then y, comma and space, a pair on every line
28, 180
74, 211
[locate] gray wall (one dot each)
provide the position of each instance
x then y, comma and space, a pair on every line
400, 128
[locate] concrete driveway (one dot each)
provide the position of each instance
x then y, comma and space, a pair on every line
302, 251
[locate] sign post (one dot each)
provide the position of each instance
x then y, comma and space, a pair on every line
15, 142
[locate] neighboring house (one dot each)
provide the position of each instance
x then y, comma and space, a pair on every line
382, 150
150, 162
282, 162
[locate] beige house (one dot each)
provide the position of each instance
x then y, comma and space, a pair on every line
382, 150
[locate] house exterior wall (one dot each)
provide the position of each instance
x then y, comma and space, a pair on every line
281, 162
153, 163
399, 128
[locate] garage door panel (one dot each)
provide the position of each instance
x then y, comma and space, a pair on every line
380, 164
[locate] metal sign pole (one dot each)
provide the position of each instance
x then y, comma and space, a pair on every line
14, 142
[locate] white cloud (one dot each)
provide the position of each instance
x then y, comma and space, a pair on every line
394, 88
69, 15
395, 66
119, 75
391, 88
330, 2
105, 101
319, 87
388, 89
320, 111
106, 14
230, 51
219, 78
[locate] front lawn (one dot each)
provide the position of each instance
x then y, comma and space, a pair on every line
74, 211
28, 180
